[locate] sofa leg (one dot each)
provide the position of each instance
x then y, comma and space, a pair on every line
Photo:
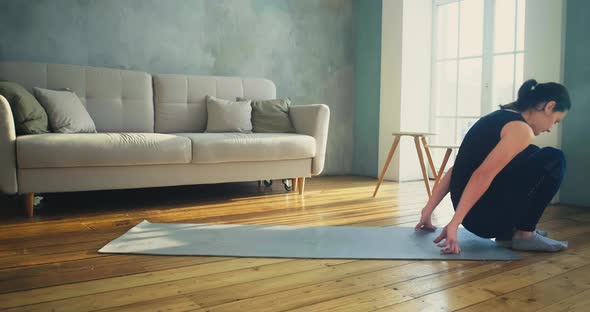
28, 203
301, 185
259, 186
294, 182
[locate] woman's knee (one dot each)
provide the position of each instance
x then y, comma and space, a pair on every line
552, 154
531, 150
553, 160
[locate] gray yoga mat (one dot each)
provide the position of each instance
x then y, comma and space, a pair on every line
336, 242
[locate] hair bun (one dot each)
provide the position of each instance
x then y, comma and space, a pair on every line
526, 88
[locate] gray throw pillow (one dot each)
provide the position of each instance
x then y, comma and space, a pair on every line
271, 116
228, 116
65, 111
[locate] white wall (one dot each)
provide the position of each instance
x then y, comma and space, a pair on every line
405, 82
416, 69
544, 41
391, 74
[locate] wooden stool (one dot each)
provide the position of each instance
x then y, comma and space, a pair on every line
441, 170
417, 137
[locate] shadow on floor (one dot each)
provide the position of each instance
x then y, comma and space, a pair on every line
55, 205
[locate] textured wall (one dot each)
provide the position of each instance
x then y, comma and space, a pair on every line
576, 126
367, 86
305, 46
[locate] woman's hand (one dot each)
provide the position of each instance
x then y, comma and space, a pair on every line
425, 222
451, 244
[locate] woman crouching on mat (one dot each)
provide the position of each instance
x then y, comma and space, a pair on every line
500, 183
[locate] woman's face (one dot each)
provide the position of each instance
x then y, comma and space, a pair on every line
544, 118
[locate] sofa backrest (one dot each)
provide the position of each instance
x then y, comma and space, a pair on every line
117, 100
180, 99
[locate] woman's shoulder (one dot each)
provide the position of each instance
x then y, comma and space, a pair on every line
490, 126
518, 128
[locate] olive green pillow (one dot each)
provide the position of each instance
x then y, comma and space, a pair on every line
271, 116
29, 115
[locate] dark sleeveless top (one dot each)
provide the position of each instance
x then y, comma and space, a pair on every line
479, 141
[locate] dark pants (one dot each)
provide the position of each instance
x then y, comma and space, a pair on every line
517, 197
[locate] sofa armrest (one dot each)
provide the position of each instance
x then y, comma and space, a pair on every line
8, 183
313, 120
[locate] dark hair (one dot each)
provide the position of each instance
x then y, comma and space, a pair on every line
532, 93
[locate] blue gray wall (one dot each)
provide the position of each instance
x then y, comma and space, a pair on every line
367, 86
305, 46
576, 125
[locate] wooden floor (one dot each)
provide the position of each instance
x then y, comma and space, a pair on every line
50, 262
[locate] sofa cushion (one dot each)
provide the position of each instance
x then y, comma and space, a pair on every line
54, 150
231, 147
179, 100
117, 100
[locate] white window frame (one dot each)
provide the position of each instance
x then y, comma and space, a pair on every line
487, 60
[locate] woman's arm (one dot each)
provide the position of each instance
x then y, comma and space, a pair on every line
438, 193
515, 137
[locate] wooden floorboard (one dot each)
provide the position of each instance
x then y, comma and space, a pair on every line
50, 262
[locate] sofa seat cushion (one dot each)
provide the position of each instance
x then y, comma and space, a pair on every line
240, 147
55, 150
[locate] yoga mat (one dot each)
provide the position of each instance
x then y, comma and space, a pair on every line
335, 242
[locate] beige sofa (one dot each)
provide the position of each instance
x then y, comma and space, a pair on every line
150, 134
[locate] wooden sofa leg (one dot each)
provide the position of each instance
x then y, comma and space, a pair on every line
28, 203
301, 185
294, 183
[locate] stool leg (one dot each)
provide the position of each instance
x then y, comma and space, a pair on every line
429, 156
386, 165
421, 158
442, 167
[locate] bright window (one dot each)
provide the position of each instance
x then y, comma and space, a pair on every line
478, 52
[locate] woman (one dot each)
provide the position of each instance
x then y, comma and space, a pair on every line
500, 183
